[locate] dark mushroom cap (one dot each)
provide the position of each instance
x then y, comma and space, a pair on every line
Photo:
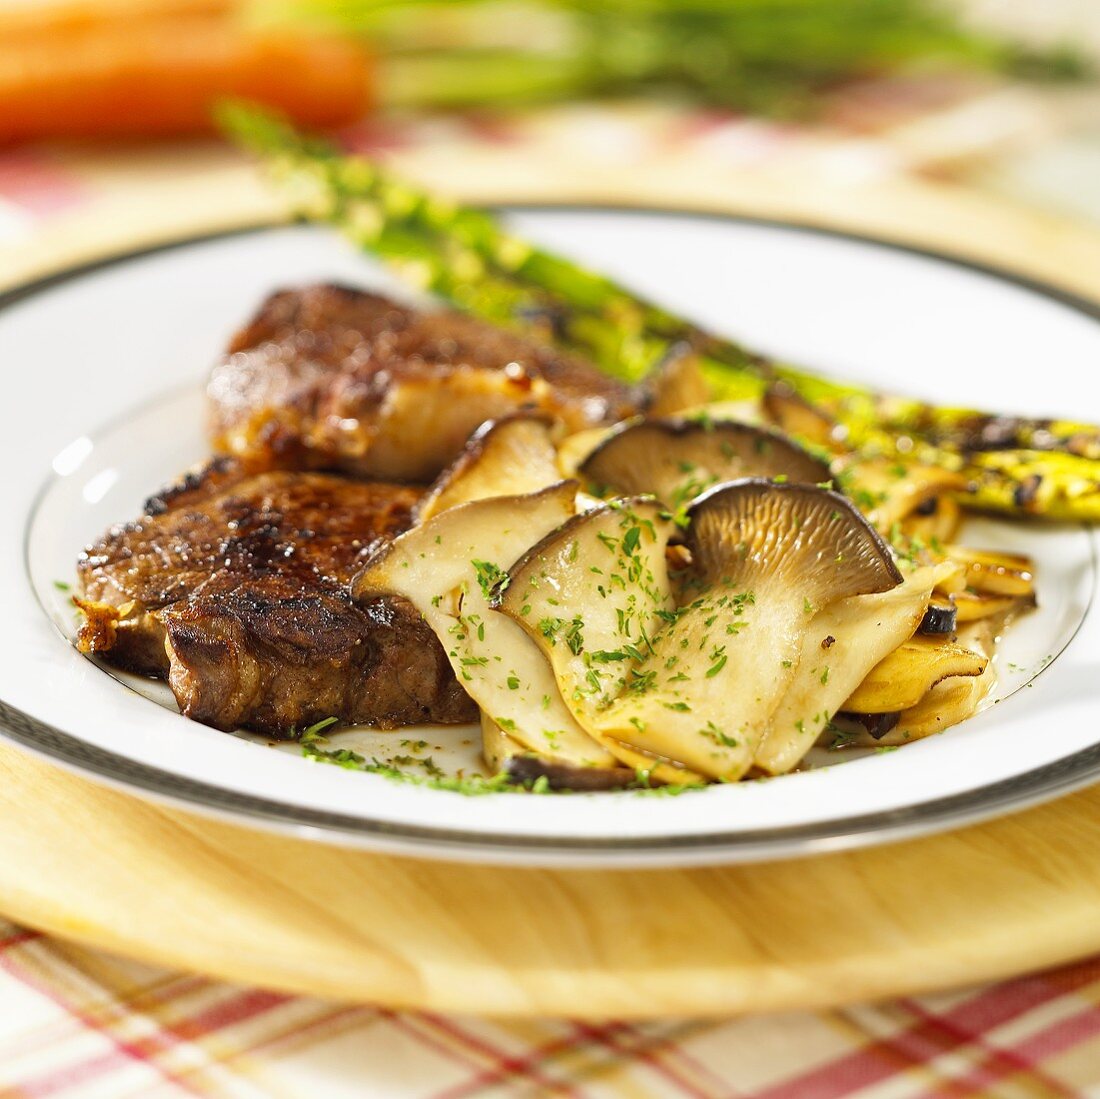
523, 770
677, 459
808, 538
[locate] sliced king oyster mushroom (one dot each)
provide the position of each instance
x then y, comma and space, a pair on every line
995, 573
906, 674
953, 699
448, 568
505, 754
506, 457
573, 449
973, 606
592, 595
794, 415
935, 521
678, 459
888, 491
766, 558
675, 384
844, 642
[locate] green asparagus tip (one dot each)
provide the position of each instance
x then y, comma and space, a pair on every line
264, 131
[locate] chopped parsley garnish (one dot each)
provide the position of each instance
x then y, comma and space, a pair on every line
490, 578
574, 638
713, 733
312, 734
608, 656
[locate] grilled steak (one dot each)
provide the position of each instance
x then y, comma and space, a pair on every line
234, 586
329, 377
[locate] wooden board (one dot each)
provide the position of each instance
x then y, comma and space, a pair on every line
96, 865
103, 867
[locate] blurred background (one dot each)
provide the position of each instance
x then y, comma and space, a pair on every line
807, 108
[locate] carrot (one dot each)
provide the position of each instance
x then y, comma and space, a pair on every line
160, 77
22, 22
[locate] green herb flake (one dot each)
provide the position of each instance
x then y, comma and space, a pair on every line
490, 578
574, 638
312, 734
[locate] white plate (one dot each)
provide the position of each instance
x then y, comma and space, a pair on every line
107, 365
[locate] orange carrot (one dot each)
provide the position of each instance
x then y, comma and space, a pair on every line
160, 77
45, 20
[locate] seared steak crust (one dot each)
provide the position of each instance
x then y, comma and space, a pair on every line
331, 377
235, 587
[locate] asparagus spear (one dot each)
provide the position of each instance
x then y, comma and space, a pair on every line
1015, 465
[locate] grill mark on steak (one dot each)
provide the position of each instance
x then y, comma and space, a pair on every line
235, 587
331, 377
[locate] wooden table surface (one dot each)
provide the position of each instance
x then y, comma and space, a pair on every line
106, 868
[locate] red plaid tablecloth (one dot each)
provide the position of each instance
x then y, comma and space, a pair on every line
78, 1024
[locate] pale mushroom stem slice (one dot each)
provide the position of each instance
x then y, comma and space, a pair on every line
573, 449
497, 747
506, 457
889, 491
766, 558
992, 572
592, 595
973, 606
678, 459
904, 676
794, 415
936, 521
506, 755
951, 700
845, 640
447, 569
676, 384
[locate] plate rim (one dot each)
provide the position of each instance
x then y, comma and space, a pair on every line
890, 825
